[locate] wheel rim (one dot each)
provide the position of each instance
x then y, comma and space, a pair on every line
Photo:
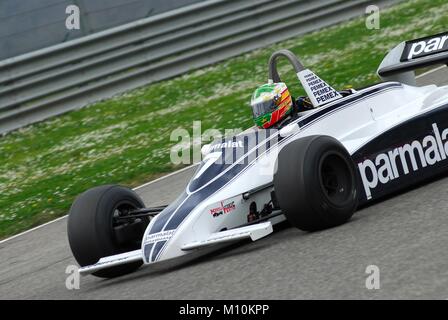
120, 210
335, 177
123, 230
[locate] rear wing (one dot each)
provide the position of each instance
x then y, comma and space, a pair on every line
400, 63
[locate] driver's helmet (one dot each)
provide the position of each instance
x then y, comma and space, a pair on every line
270, 104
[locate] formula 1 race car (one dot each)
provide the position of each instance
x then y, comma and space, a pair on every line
314, 172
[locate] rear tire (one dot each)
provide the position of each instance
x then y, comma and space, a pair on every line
315, 183
95, 232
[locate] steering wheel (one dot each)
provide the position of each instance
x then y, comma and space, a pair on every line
272, 66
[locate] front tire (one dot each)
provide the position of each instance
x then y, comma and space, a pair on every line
315, 183
95, 230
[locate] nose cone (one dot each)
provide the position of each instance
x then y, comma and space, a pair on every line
162, 245
164, 249
154, 244
161, 229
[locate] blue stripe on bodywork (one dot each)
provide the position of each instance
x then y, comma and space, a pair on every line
231, 156
201, 195
163, 217
156, 250
147, 251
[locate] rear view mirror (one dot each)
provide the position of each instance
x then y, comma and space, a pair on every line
289, 130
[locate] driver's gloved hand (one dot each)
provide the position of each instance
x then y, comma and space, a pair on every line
303, 104
347, 92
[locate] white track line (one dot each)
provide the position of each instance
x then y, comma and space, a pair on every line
136, 188
30, 230
168, 175
164, 177
430, 71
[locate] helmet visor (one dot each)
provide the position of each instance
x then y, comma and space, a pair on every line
261, 108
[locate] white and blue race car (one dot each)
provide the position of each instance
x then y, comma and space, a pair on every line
314, 172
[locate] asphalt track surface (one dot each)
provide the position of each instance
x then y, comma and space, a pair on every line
405, 236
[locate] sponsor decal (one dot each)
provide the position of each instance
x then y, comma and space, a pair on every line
412, 156
154, 237
317, 89
425, 46
223, 209
227, 144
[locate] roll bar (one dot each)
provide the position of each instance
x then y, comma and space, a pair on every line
272, 65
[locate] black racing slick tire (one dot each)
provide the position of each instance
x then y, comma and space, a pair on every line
315, 183
95, 229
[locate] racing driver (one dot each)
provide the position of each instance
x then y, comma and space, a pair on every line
273, 107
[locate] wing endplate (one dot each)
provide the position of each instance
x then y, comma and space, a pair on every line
112, 261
